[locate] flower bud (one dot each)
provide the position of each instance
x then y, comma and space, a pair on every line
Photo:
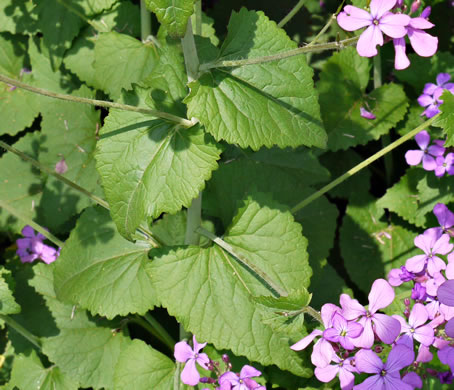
225, 358
426, 12
414, 7
378, 349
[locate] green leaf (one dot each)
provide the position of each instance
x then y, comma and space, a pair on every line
93, 7
8, 304
20, 183
18, 108
367, 242
140, 367
210, 292
416, 194
285, 314
59, 26
208, 30
266, 104
89, 354
101, 271
446, 118
69, 134
18, 16
114, 69
412, 120
342, 86
163, 168
29, 374
173, 14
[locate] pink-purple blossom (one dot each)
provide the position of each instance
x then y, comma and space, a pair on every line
342, 368
241, 381
32, 247
366, 114
416, 328
378, 21
426, 154
343, 331
444, 165
430, 98
185, 354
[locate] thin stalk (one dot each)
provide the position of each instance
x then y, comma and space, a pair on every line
145, 21
145, 325
193, 221
94, 102
322, 31
21, 330
286, 54
362, 165
165, 336
313, 313
30, 222
385, 139
191, 58
228, 248
75, 186
291, 14
198, 17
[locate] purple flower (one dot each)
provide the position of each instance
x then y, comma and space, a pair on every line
366, 114
430, 97
426, 152
387, 376
416, 328
343, 368
446, 293
343, 331
31, 247
386, 328
378, 21
323, 351
241, 381
185, 354
442, 84
444, 164
418, 292
432, 243
444, 216
413, 379
446, 356
397, 276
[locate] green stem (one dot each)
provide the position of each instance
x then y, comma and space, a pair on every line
313, 313
73, 185
276, 290
198, 17
286, 54
165, 336
193, 221
191, 58
144, 324
99, 103
362, 165
322, 31
21, 330
33, 224
291, 14
145, 21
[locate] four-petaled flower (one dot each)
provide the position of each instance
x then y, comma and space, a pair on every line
241, 381
426, 153
185, 354
416, 328
32, 247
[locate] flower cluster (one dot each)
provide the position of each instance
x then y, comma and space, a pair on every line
395, 25
32, 247
430, 98
225, 379
355, 337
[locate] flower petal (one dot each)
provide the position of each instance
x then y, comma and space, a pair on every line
399, 357
368, 41
203, 360
429, 89
368, 361
326, 374
353, 18
425, 100
401, 60
386, 328
351, 308
322, 353
446, 293
442, 78
197, 346
379, 7
422, 24
190, 376
183, 352
425, 45
414, 157
381, 295
413, 379
418, 315
28, 231
374, 382
346, 378
249, 372
393, 25
416, 263
424, 334
423, 138
366, 339
305, 341
429, 163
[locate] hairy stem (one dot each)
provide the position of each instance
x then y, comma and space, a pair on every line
146, 232
98, 103
275, 289
362, 165
313, 313
198, 17
286, 54
21, 330
145, 21
291, 14
32, 223
323, 30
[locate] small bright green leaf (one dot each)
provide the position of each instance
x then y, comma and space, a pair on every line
369, 243
114, 69
59, 26
266, 104
284, 314
8, 304
342, 88
416, 194
163, 168
69, 135
101, 271
210, 292
173, 14
446, 118
20, 183
140, 367
29, 374
88, 354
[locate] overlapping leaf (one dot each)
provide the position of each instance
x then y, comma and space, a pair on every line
266, 104
446, 119
161, 169
342, 88
173, 14
210, 292
8, 304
